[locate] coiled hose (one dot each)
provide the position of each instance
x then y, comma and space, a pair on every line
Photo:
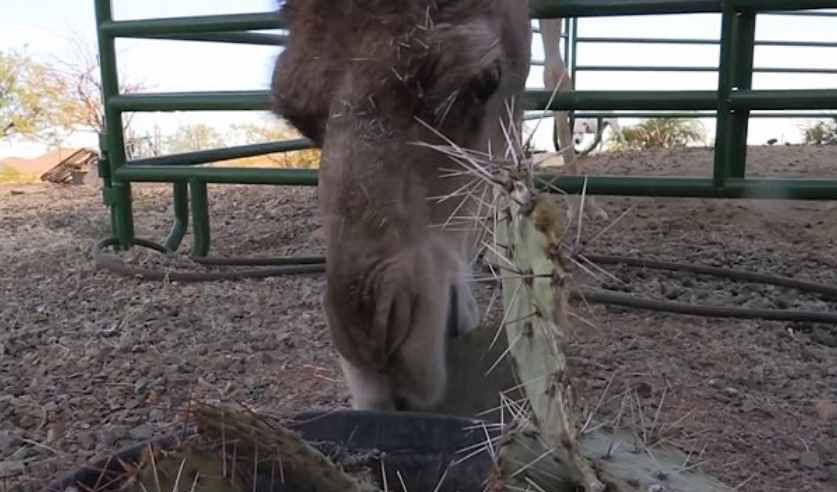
316, 264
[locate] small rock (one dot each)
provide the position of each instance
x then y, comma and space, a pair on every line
87, 440
781, 303
55, 433
825, 337
598, 383
671, 292
810, 459
827, 410
140, 386
108, 437
142, 433
644, 390
730, 391
8, 441
11, 468
22, 453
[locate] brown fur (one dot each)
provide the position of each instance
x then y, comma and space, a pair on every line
355, 77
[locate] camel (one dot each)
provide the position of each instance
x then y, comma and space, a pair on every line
555, 74
367, 81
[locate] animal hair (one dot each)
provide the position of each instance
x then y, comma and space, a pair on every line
358, 77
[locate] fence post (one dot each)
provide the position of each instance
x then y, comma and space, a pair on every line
723, 133
200, 217
180, 198
120, 191
572, 43
744, 39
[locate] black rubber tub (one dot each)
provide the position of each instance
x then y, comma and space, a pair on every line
421, 447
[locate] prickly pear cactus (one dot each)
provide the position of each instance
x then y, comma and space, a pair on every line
528, 236
543, 449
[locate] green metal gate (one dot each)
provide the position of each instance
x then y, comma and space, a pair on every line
731, 104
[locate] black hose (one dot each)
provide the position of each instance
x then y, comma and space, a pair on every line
739, 275
316, 264
613, 298
116, 265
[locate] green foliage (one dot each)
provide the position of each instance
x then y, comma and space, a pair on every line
51, 99
29, 100
251, 133
661, 133
9, 175
190, 138
821, 133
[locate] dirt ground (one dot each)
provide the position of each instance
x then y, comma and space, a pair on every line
91, 362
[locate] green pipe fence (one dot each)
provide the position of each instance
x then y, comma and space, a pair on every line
732, 105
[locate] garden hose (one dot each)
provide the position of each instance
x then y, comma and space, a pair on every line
283, 266
316, 264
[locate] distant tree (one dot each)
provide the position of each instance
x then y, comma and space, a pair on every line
142, 145
28, 99
10, 175
821, 133
252, 133
661, 133
79, 77
190, 138
49, 100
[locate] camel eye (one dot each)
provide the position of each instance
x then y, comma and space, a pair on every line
488, 81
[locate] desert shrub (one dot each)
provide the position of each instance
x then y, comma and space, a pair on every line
821, 133
660, 133
10, 175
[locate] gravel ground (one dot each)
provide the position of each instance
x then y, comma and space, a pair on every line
91, 362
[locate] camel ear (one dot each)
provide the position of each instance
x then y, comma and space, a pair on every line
302, 84
466, 59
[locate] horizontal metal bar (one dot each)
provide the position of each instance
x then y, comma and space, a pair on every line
601, 8
783, 5
799, 70
703, 114
643, 115
192, 101
705, 42
254, 38
622, 100
640, 68
784, 99
612, 8
534, 100
749, 188
595, 185
684, 69
228, 175
595, 39
798, 44
215, 155
192, 25
803, 14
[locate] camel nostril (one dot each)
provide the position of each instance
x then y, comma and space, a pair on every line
453, 313
488, 81
401, 404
